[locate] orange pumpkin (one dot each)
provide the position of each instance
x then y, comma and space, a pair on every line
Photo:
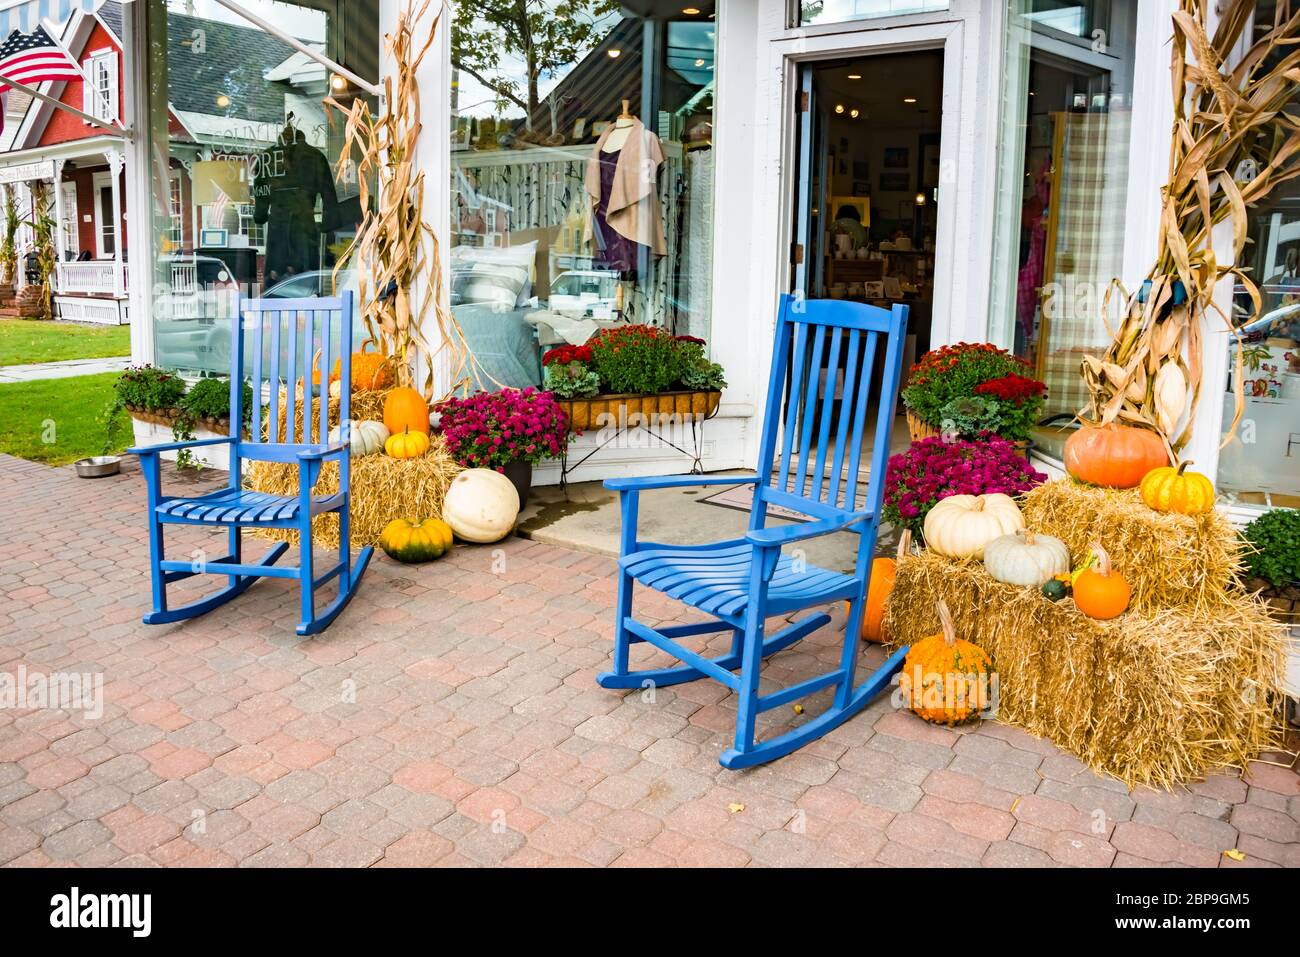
405, 410
945, 679
1116, 456
883, 571
370, 371
1101, 592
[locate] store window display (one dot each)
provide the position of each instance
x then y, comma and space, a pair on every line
581, 193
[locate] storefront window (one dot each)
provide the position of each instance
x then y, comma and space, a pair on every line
1260, 464
581, 175
1062, 187
837, 11
244, 161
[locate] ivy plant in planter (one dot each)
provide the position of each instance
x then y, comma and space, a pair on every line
1272, 560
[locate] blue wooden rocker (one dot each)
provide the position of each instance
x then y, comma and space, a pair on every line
283, 332
742, 582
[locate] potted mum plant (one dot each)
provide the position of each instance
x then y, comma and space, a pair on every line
509, 431
936, 467
968, 389
633, 370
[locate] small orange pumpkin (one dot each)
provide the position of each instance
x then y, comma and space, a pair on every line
946, 679
883, 572
1167, 489
1101, 592
1114, 456
406, 410
370, 371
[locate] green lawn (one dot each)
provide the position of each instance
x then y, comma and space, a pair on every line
24, 341
56, 421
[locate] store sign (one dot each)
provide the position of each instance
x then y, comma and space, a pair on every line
27, 172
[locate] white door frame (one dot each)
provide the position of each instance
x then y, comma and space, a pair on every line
789, 55
99, 182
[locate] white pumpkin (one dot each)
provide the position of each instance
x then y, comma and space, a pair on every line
368, 436
961, 525
1025, 558
481, 505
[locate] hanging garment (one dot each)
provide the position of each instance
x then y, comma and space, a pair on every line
612, 250
629, 206
290, 180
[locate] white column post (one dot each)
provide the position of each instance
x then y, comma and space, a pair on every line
60, 240
115, 162
432, 150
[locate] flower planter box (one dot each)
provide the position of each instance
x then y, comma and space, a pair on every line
214, 426
155, 428
601, 411
919, 430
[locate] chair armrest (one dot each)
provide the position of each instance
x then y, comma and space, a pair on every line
143, 450
784, 534
676, 481
324, 451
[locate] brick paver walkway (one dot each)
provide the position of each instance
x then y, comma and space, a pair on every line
450, 718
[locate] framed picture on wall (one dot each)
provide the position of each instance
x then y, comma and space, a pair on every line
895, 182
896, 157
861, 188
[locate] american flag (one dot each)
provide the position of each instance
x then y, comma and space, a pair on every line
34, 58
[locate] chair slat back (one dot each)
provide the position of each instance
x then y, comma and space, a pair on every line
281, 338
817, 343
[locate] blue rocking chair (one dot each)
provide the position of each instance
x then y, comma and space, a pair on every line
281, 334
741, 583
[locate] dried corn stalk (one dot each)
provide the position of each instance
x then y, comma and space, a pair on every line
1233, 142
395, 245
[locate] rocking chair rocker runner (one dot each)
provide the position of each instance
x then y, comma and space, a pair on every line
741, 583
278, 334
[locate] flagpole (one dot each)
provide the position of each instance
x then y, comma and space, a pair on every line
94, 120
51, 28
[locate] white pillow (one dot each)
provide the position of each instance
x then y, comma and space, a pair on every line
498, 275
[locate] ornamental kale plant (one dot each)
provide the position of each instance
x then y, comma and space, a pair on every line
936, 468
1008, 407
569, 374
698, 373
489, 430
954, 372
1274, 552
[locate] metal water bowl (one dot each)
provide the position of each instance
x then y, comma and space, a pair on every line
98, 466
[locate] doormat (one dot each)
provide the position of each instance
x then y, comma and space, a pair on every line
741, 498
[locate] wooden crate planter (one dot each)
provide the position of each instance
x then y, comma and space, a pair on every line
918, 429
600, 411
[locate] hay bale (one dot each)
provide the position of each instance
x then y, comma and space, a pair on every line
1185, 562
1153, 698
383, 488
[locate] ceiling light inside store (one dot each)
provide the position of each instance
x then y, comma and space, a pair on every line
699, 62
855, 76
614, 54
839, 107
909, 99
691, 11
853, 113
223, 101
920, 199
338, 83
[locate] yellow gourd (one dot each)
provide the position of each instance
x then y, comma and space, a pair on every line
1168, 489
407, 445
